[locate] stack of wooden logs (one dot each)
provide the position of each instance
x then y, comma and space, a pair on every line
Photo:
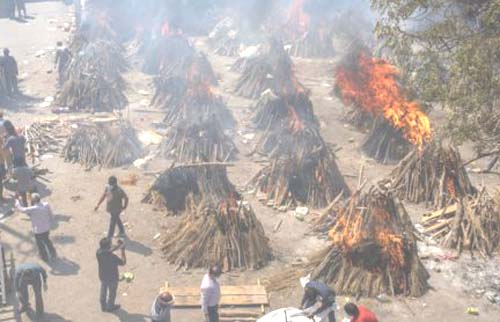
312, 44
166, 50
472, 223
226, 232
44, 137
374, 249
201, 181
103, 144
384, 143
435, 175
198, 140
272, 69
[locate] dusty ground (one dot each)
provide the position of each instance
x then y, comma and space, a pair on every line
73, 285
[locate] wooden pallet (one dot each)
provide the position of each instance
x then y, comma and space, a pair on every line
7, 268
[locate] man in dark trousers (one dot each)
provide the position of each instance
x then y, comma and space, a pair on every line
116, 203
21, 8
63, 57
108, 264
30, 274
9, 65
319, 299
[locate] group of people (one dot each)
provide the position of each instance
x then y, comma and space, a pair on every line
16, 5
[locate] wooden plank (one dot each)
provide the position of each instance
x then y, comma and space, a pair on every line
230, 289
238, 313
438, 225
194, 301
438, 213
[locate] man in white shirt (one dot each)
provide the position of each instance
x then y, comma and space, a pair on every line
41, 219
210, 294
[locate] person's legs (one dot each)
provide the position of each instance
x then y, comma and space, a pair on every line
331, 316
24, 198
48, 244
37, 289
41, 247
112, 224
213, 314
103, 295
113, 286
120, 225
22, 295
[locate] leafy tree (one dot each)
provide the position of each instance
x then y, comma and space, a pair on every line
449, 55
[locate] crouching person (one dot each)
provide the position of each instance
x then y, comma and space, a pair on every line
33, 275
319, 300
160, 310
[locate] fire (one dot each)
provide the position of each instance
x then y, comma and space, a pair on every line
295, 122
373, 86
297, 17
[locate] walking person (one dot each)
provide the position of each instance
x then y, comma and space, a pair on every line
30, 274
210, 294
62, 59
41, 220
160, 310
24, 182
9, 66
108, 264
116, 203
15, 144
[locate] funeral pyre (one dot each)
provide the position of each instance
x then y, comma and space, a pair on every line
271, 69
175, 78
307, 35
224, 39
225, 231
43, 137
373, 250
106, 143
435, 175
471, 223
370, 85
198, 140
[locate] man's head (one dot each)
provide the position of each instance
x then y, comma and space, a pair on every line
35, 198
215, 271
351, 309
59, 44
6, 51
105, 243
310, 292
112, 181
165, 298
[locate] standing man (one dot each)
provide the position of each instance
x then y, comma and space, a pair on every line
108, 264
116, 203
24, 182
61, 62
30, 274
319, 299
15, 144
160, 310
4, 155
11, 71
359, 313
21, 8
41, 220
210, 294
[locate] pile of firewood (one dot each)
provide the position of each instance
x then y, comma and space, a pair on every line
44, 137
472, 223
272, 69
384, 143
225, 232
435, 175
94, 79
172, 83
311, 179
199, 140
103, 144
200, 101
201, 181
312, 44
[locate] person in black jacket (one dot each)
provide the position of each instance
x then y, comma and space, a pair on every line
10, 71
108, 264
117, 202
319, 299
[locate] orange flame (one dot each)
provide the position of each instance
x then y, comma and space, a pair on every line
374, 87
297, 17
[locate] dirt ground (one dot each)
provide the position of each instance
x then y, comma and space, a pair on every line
73, 283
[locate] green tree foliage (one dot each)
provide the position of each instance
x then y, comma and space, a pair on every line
449, 54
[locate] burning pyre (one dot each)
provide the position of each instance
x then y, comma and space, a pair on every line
435, 175
200, 140
271, 69
225, 232
370, 85
308, 36
224, 38
105, 144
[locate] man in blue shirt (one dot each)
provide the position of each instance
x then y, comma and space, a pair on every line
319, 299
30, 274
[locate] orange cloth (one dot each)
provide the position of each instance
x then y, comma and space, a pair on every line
365, 315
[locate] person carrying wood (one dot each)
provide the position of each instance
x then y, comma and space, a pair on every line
160, 310
319, 300
359, 313
117, 202
109, 276
30, 274
210, 294
40, 215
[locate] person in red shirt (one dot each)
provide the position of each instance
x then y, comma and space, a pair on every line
359, 313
